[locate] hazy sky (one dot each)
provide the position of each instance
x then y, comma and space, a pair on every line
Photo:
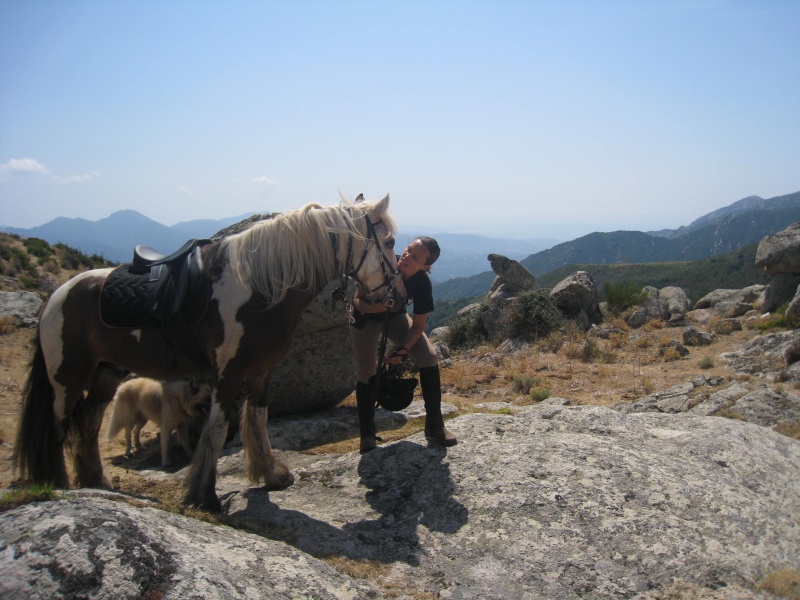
528, 118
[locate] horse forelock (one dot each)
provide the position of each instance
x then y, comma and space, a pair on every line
297, 249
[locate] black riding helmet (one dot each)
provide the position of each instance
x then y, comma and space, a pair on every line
396, 393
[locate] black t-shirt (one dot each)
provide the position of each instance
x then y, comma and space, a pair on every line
420, 293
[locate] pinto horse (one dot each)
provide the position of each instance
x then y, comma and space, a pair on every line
259, 282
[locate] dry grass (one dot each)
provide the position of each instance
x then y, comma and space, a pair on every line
380, 575
784, 584
7, 325
587, 369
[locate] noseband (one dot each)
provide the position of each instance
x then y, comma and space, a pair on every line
351, 272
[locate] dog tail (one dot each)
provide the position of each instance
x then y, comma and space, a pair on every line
115, 423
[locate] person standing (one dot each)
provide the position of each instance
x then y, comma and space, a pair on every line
408, 334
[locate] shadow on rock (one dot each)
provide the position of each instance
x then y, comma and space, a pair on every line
408, 485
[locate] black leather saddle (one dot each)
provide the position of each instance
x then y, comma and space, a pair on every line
170, 292
172, 277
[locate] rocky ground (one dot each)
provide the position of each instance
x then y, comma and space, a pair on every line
479, 377
616, 485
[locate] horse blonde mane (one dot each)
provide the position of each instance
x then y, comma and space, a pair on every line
296, 249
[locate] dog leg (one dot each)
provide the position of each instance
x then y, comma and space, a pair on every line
128, 431
166, 438
141, 421
183, 438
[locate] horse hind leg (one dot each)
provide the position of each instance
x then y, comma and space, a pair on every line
260, 461
86, 421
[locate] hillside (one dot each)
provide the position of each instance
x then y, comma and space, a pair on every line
723, 235
744, 205
697, 278
115, 236
33, 264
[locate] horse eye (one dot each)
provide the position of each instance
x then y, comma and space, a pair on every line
390, 242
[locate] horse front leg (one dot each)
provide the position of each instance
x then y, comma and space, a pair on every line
201, 481
260, 461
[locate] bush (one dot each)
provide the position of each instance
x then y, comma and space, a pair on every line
466, 331
621, 296
38, 247
532, 315
522, 384
775, 321
73, 259
538, 394
706, 363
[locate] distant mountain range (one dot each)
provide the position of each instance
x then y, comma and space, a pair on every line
462, 267
115, 237
742, 223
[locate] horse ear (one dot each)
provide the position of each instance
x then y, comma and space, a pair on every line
359, 198
382, 206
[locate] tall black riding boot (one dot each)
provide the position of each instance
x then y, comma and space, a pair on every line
366, 416
431, 384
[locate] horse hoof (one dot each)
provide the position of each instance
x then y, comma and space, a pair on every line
211, 505
281, 484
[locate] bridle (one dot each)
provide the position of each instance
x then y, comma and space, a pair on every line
350, 271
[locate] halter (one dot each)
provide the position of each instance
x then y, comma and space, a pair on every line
351, 272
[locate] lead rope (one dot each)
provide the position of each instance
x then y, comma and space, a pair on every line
376, 385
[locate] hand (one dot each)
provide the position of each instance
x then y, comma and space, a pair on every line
379, 307
396, 357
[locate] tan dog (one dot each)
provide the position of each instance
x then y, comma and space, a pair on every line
172, 405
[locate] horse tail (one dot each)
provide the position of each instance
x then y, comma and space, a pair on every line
39, 448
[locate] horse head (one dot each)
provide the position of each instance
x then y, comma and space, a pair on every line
374, 264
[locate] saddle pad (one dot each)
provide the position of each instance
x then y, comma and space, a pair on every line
123, 296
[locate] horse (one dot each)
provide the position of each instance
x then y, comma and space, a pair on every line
258, 282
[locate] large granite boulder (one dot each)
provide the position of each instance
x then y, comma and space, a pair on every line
793, 310
577, 294
549, 502
669, 304
748, 295
512, 278
23, 307
779, 254
319, 370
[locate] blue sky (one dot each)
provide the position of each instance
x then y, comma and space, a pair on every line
536, 119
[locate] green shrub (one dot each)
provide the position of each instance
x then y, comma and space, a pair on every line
532, 315
706, 363
775, 321
621, 296
38, 247
522, 384
538, 394
466, 331
75, 259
